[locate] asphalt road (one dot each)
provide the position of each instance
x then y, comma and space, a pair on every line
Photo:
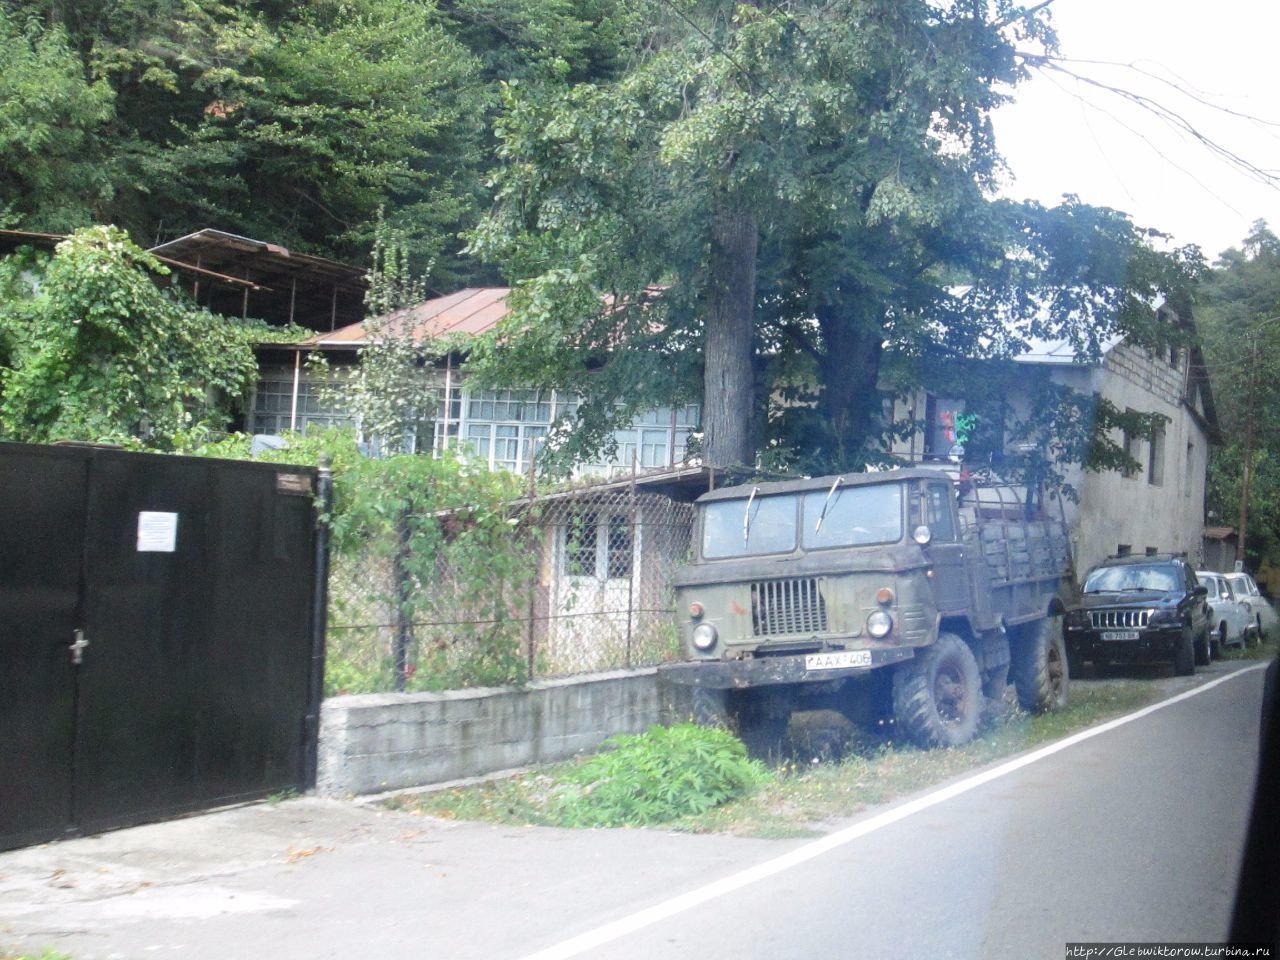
1131, 834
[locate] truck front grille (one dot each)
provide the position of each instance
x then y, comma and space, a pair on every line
1108, 619
785, 607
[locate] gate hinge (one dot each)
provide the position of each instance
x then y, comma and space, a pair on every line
77, 648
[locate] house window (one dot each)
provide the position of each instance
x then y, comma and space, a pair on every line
597, 544
1132, 449
580, 536
1151, 551
940, 426
1123, 549
505, 428
1175, 357
1155, 458
1190, 470
272, 411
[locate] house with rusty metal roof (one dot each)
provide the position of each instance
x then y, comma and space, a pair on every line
504, 427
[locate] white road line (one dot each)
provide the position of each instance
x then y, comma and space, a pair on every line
810, 851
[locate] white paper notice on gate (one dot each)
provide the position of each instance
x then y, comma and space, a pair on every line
157, 532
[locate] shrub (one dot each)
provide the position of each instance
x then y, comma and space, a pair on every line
657, 776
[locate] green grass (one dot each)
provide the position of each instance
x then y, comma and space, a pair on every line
801, 798
48, 953
1265, 650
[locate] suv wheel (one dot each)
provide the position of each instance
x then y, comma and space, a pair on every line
1218, 641
1203, 654
937, 696
1184, 658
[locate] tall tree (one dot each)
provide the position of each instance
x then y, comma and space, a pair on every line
853, 139
1239, 317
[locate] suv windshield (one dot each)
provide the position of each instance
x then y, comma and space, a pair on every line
1160, 578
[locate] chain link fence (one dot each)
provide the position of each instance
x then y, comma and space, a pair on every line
580, 581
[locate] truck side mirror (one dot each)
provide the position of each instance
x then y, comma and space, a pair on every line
922, 535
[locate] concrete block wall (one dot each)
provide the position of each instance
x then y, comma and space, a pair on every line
375, 742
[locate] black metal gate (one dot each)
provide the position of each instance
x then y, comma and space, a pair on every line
161, 636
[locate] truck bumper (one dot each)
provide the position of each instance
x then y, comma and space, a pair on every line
767, 671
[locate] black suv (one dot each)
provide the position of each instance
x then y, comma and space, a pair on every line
1138, 609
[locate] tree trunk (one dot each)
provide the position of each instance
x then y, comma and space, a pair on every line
728, 389
853, 341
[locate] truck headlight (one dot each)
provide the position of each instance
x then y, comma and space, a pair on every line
704, 637
879, 624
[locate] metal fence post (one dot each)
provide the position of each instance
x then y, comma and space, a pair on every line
319, 622
531, 640
633, 567
403, 622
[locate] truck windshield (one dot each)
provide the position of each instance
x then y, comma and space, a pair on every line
770, 527
855, 516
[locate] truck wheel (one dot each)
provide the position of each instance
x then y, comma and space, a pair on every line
1202, 652
1184, 659
937, 696
711, 708
763, 717
1041, 674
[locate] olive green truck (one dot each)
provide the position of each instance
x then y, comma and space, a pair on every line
901, 594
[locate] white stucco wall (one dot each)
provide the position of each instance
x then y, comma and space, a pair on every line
1114, 509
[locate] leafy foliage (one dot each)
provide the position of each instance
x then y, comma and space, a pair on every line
1239, 303
93, 349
657, 776
390, 394
432, 543
51, 175
856, 138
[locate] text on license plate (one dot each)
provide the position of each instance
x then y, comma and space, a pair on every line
834, 661
1119, 634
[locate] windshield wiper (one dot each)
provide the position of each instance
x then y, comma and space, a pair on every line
746, 516
825, 503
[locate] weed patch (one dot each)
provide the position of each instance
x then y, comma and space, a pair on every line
698, 780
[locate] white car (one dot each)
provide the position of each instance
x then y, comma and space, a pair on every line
1263, 616
1232, 618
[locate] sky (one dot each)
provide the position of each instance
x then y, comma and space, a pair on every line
1114, 154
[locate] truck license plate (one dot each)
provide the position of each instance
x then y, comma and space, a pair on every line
1119, 634
834, 661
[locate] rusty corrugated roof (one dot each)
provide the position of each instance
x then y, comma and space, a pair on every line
470, 311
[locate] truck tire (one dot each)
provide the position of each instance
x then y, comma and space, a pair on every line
1184, 658
1040, 671
763, 717
937, 696
711, 708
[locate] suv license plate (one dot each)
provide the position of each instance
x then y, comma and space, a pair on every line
834, 661
1120, 634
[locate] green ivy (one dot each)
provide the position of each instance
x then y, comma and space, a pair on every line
93, 348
